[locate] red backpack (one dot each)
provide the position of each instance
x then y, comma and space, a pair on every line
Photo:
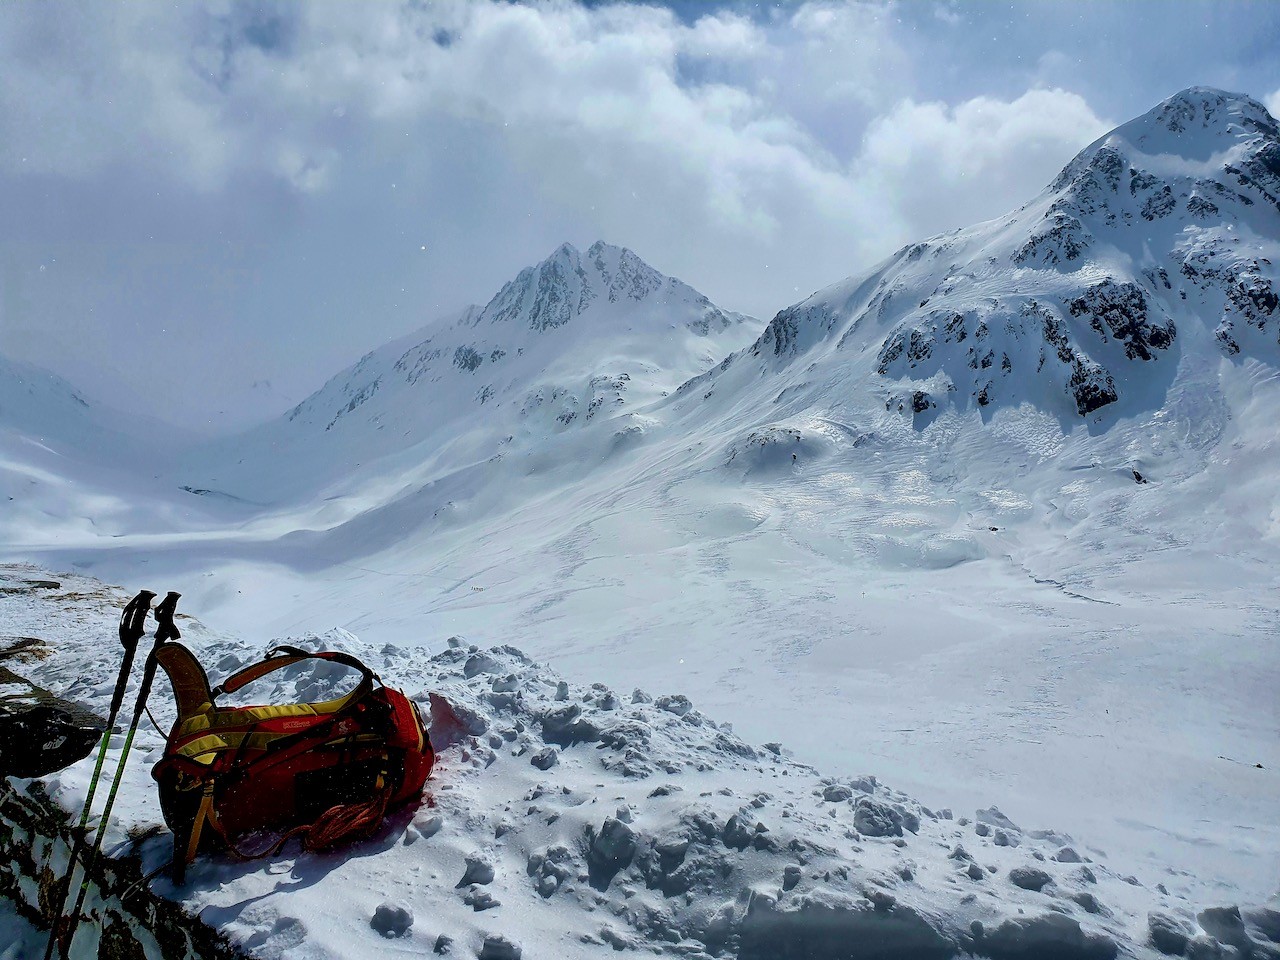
326, 772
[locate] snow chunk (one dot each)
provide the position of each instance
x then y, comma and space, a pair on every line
499, 948
392, 920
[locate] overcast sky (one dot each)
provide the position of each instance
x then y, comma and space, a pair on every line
198, 196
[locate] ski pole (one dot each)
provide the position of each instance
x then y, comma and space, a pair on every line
132, 626
164, 632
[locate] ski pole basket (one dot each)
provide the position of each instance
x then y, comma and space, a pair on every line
326, 772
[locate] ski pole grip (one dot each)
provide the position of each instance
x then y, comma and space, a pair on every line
165, 632
133, 624
164, 616
133, 621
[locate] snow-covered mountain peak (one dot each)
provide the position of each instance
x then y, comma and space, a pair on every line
567, 283
576, 337
1085, 300
1198, 123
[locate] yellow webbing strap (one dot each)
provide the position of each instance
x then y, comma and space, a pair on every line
216, 719
202, 814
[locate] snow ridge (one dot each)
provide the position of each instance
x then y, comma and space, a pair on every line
1078, 301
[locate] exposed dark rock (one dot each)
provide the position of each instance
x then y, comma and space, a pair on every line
40, 733
873, 818
499, 948
1226, 925
1061, 238
1160, 204
815, 928
1087, 901
677, 704
1092, 387
1051, 936
737, 835
391, 921
565, 726
609, 851
1168, 934
782, 335
1265, 920
790, 877
545, 759
478, 871
1122, 309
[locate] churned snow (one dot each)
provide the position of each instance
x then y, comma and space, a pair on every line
570, 820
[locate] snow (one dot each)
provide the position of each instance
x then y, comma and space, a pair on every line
655, 827
856, 533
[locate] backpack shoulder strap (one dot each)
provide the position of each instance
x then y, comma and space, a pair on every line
285, 656
188, 679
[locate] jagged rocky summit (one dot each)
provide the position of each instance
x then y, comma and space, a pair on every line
1084, 300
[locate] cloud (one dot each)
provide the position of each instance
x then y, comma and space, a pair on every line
314, 150
1272, 103
725, 113
977, 157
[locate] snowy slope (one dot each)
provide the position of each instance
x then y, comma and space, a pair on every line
569, 820
882, 543
578, 337
1082, 302
71, 468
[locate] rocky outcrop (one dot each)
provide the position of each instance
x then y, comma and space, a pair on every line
35, 841
39, 733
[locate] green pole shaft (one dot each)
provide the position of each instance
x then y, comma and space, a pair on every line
166, 631
132, 625
92, 860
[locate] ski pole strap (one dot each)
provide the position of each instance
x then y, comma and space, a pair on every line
285, 656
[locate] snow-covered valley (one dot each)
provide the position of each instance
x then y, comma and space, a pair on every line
994, 522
